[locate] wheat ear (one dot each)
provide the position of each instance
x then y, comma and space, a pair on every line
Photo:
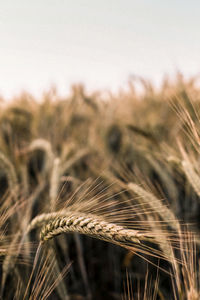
192, 176
40, 220
148, 198
165, 176
92, 226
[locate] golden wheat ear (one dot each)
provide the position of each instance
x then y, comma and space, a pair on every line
137, 241
92, 226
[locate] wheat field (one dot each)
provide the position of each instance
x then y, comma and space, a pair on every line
100, 194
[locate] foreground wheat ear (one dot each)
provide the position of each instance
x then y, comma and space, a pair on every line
90, 225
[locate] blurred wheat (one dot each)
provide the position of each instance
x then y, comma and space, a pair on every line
125, 171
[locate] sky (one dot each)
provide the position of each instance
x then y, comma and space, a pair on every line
100, 43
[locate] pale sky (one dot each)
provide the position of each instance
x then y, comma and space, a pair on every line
97, 42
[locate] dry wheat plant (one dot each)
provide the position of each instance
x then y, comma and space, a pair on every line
100, 195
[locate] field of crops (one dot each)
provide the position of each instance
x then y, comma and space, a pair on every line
100, 195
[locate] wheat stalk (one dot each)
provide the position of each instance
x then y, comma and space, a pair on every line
54, 183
